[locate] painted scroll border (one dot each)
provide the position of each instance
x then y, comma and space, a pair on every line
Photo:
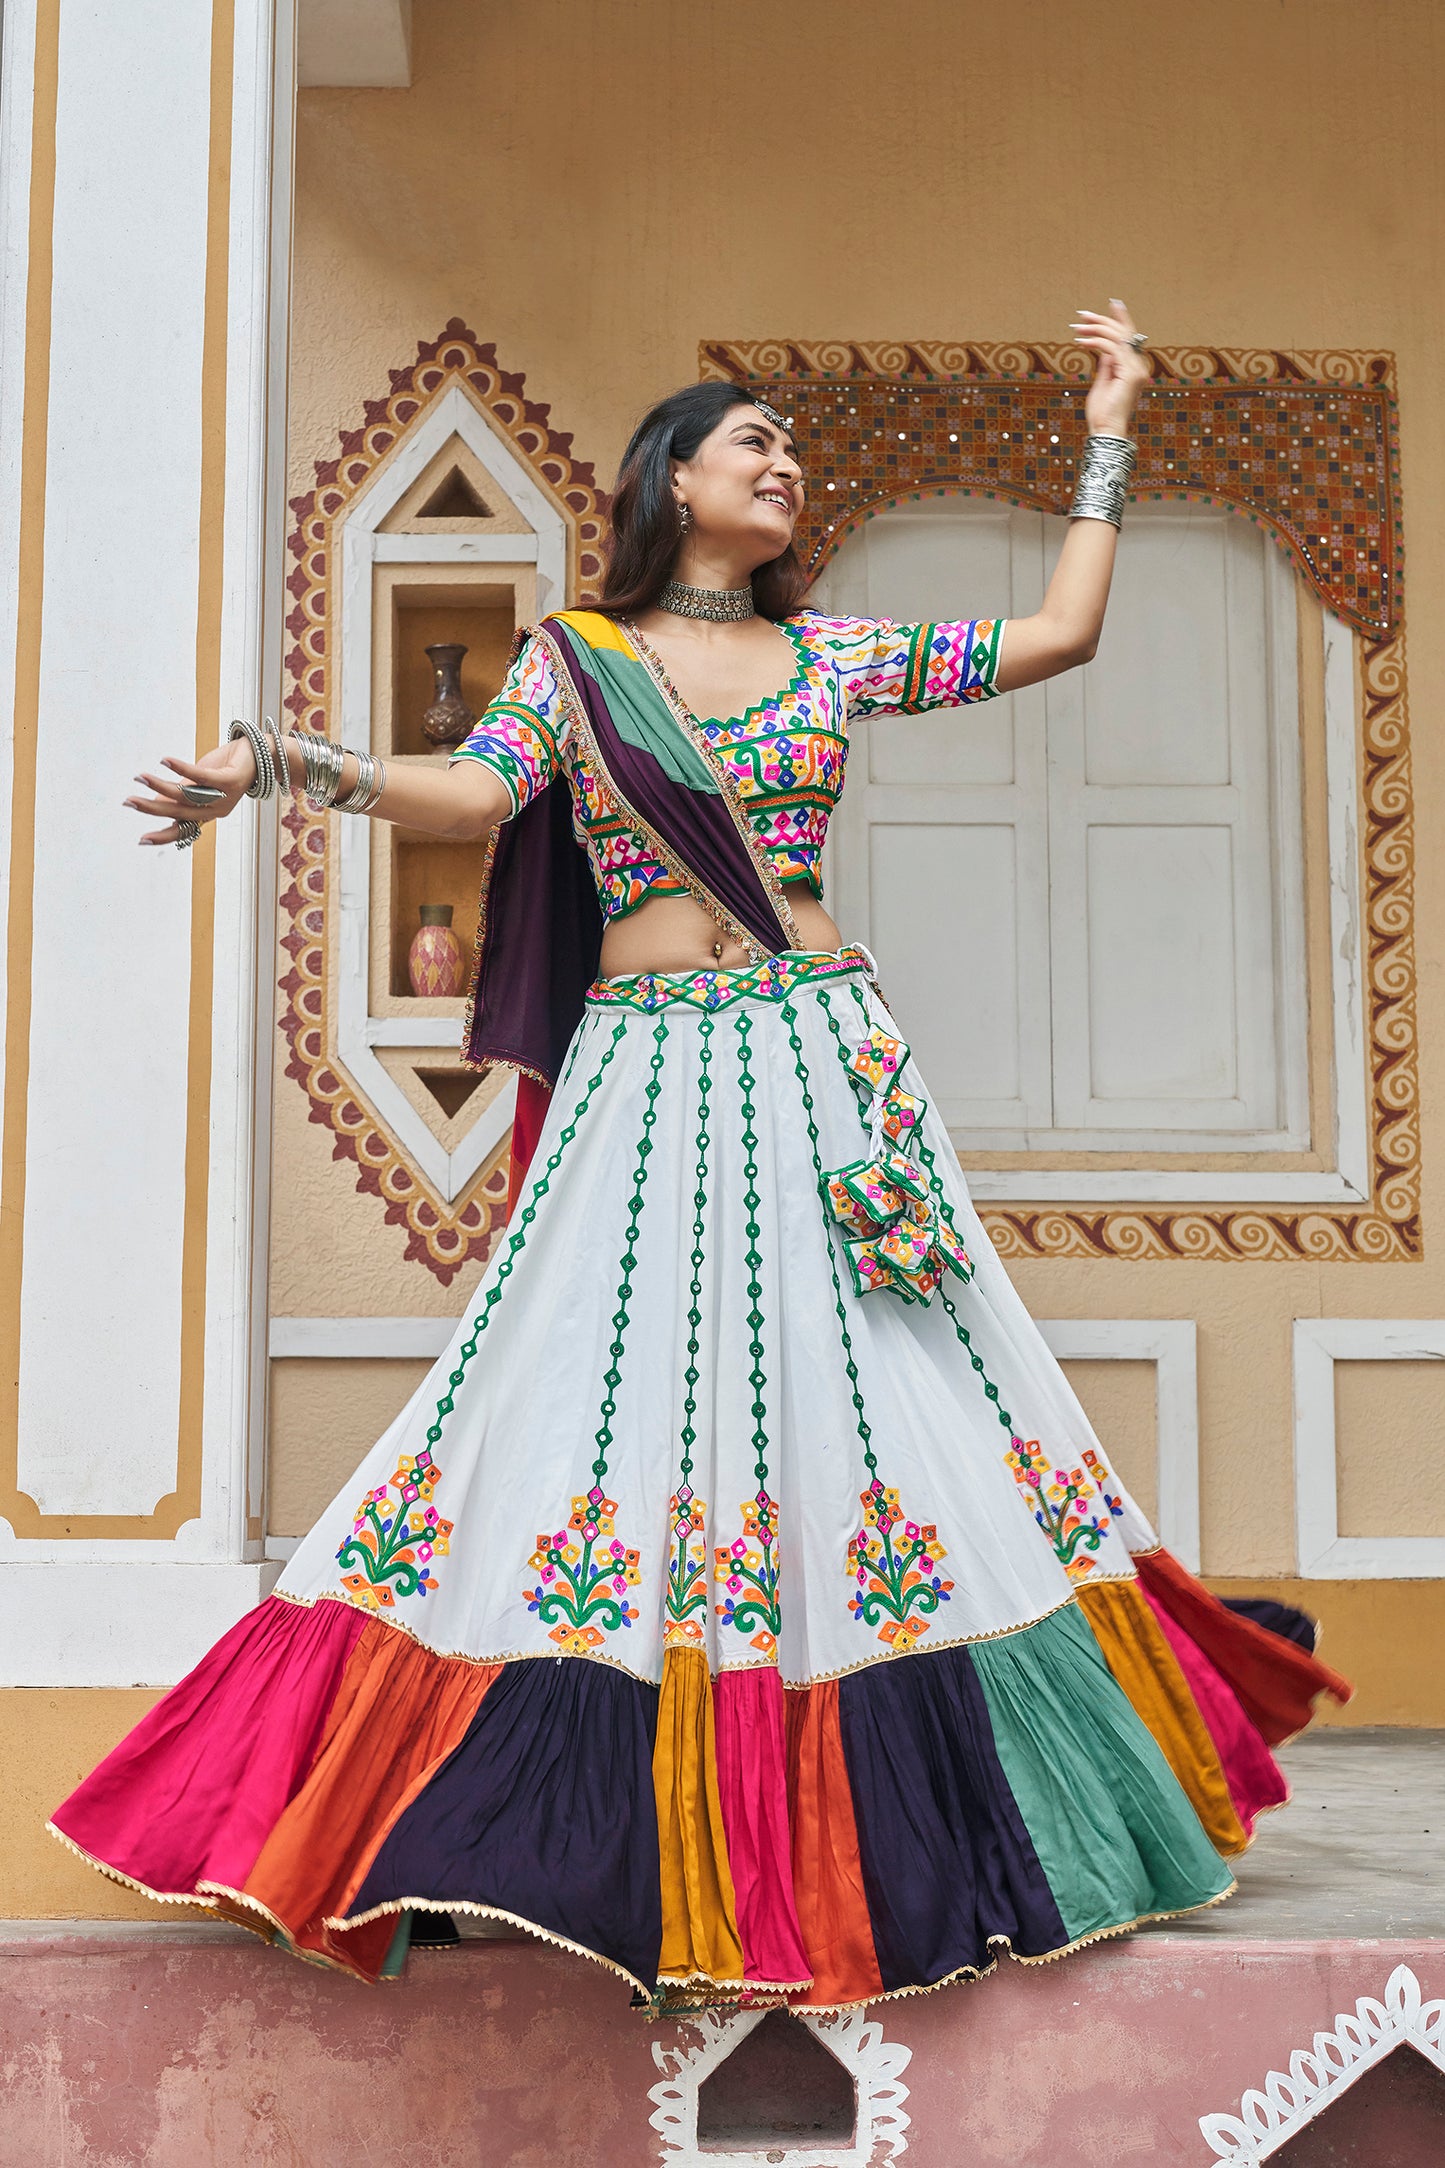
444, 1237
1388, 1228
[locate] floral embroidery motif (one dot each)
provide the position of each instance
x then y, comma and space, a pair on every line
751, 1576
393, 1545
896, 1232
895, 1564
583, 1585
687, 1571
1074, 1508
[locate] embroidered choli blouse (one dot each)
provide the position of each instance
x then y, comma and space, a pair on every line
786, 756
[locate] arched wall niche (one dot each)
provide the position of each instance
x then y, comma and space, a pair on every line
454, 511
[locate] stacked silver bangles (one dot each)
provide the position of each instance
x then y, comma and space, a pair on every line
1104, 475
321, 768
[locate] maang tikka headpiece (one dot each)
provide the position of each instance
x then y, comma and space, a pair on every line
772, 413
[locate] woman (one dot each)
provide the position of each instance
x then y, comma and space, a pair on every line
863, 1666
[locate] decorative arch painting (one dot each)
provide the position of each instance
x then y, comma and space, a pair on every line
441, 1236
1304, 444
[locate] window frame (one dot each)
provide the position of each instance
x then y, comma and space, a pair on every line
1157, 1168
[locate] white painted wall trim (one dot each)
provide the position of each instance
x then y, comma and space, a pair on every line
1170, 1344
462, 549
93, 1610
875, 2065
17, 69
1342, 759
118, 1622
1150, 1185
1323, 1553
453, 414
413, 1032
354, 1338
355, 44
1317, 2075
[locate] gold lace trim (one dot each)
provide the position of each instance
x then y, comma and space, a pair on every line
602, 1656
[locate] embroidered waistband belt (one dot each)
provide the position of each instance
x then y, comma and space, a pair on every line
772, 980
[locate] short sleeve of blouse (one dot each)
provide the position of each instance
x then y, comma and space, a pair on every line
521, 735
889, 668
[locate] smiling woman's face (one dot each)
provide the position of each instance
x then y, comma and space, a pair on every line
743, 485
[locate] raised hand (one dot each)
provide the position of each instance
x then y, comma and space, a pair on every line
1120, 370
231, 769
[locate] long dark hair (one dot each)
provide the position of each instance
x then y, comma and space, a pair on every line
646, 530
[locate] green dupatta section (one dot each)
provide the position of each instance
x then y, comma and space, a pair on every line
635, 700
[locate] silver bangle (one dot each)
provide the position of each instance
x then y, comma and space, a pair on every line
322, 764
283, 769
1103, 480
365, 791
321, 760
265, 783
376, 784
311, 769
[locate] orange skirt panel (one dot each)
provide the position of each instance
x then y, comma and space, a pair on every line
1148, 1670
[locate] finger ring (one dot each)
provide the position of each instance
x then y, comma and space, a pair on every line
1139, 341
201, 794
186, 834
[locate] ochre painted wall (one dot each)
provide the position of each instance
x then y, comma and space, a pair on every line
48, 1742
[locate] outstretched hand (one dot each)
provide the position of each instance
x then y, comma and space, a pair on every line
230, 768
1120, 371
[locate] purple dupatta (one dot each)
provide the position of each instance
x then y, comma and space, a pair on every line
540, 933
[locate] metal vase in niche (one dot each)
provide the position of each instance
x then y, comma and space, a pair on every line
434, 962
448, 719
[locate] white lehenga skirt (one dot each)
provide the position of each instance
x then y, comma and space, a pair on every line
849, 1679
673, 1311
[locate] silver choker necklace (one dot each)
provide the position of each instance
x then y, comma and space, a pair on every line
724, 605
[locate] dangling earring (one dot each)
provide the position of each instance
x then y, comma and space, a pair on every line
684, 517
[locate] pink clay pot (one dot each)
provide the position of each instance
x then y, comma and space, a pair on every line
434, 962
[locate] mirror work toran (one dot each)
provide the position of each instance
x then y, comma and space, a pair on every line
1304, 444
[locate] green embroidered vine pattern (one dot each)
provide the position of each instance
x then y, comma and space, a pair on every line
924, 1152
582, 1586
525, 1218
738, 1567
390, 1548
894, 1578
687, 1570
865, 1433
565, 1078
628, 1264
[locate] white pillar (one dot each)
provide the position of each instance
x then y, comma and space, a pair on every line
145, 166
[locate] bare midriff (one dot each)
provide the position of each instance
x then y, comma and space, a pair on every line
672, 933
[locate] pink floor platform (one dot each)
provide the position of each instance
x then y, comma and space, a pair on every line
180, 2047
194, 2046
